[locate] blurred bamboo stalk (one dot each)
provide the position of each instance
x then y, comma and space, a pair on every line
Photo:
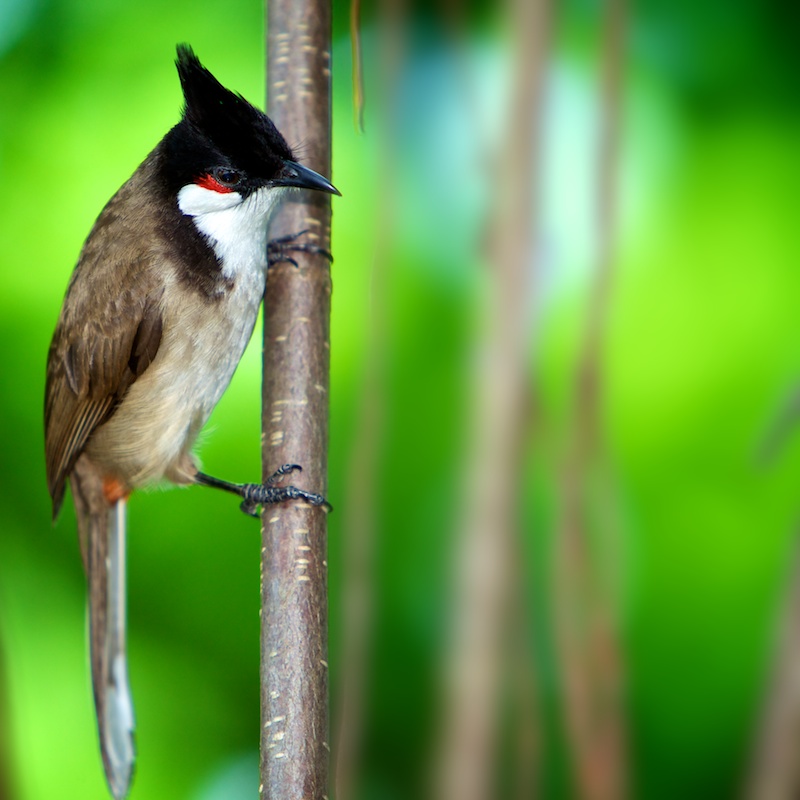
360, 511
526, 741
591, 658
775, 768
294, 619
484, 554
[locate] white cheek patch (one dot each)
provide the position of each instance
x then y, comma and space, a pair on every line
194, 200
235, 227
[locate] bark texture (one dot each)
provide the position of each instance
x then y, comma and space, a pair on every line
294, 644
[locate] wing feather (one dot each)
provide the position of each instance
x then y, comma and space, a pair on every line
108, 333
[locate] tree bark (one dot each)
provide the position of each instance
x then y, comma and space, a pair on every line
294, 615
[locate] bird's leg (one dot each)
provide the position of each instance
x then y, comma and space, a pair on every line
278, 249
261, 494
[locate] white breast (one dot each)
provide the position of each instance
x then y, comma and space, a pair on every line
203, 339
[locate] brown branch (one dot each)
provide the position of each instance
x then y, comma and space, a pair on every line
591, 658
294, 669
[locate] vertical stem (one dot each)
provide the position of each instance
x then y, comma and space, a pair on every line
591, 655
294, 622
484, 565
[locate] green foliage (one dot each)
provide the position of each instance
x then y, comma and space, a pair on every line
702, 354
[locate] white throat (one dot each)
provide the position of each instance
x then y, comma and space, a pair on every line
236, 227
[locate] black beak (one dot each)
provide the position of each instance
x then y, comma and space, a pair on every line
294, 174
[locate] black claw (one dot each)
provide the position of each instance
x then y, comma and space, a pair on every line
286, 469
250, 508
278, 249
281, 258
290, 237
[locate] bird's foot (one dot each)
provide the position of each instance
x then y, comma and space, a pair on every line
261, 494
278, 250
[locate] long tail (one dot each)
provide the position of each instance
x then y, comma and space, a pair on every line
102, 531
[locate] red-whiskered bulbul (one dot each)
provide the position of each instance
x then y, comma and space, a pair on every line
157, 314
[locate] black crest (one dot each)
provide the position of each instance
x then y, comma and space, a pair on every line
237, 130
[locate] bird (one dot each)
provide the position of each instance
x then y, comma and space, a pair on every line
158, 311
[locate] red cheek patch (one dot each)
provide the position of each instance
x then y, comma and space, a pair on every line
207, 182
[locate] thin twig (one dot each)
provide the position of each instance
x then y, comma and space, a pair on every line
591, 657
294, 639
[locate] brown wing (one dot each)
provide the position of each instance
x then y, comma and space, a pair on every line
107, 335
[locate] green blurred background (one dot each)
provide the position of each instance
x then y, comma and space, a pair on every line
702, 355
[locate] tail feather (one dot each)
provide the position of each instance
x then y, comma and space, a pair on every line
102, 532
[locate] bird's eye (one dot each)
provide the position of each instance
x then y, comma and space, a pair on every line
227, 177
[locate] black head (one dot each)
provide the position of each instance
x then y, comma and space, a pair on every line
224, 142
